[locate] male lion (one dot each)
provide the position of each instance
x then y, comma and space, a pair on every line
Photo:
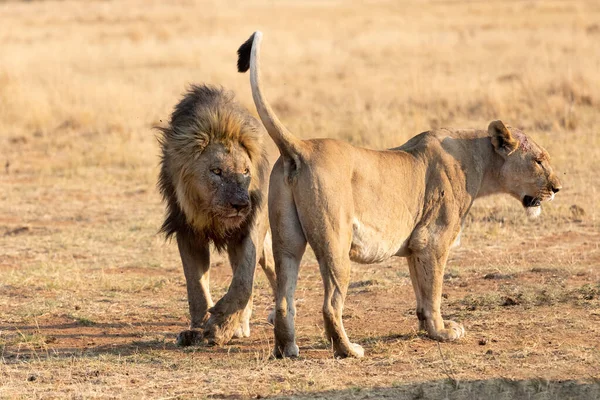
351, 203
213, 179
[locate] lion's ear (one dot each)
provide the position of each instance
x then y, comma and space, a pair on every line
503, 141
202, 140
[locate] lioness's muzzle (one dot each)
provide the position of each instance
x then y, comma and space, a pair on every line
529, 201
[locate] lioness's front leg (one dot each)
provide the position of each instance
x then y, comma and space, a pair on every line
427, 275
195, 257
226, 315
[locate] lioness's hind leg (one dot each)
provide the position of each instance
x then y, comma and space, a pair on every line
427, 274
289, 245
287, 263
326, 217
335, 271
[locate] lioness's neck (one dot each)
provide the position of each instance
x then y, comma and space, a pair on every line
492, 164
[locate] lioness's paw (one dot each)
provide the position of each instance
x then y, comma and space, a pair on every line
288, 351
188, 338
452, 331
456, 330
355, 350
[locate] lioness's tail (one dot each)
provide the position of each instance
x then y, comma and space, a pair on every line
290, 147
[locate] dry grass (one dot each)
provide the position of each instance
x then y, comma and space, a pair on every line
91, 298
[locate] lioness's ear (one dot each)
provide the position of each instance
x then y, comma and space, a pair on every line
502, 140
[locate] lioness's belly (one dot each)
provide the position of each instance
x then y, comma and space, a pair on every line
371, 245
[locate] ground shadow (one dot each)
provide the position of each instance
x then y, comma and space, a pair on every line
496, 389
66, 340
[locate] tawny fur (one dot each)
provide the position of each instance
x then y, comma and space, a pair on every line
214, 181
351, 203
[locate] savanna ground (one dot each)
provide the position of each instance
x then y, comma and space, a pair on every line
91, 298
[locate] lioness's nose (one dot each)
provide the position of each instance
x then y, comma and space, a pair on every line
555, 184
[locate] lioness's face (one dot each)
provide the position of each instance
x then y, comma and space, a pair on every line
526, 172
223, 176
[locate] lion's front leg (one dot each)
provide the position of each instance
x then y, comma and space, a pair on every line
267, 262
427, 274
234, 307
195, 257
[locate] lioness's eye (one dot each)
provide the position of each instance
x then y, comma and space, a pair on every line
216, 171
246, 171
539, 162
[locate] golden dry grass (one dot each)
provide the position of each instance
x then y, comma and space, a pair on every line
91, 298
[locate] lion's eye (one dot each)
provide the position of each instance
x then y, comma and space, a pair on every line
539, 162
246, 171
216, 171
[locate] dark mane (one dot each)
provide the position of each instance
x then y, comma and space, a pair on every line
206, 114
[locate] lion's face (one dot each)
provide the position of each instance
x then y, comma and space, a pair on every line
223, 176
216, 186
526, 173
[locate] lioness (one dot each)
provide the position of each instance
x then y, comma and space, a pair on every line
213, 179
351, 203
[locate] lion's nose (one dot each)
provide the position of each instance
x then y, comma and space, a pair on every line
556, 189
239, 204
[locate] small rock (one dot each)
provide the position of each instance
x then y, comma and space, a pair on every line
483, 341
31, 378
497, 275
509, 301
489, 352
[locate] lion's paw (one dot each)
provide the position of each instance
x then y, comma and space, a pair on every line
188, 338
289, 351
242, 331
219, 331
239, 333
271, 317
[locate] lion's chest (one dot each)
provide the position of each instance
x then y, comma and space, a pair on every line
371, 245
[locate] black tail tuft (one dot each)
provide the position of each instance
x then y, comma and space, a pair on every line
243, 63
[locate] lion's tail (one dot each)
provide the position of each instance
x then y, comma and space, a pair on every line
290, 147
